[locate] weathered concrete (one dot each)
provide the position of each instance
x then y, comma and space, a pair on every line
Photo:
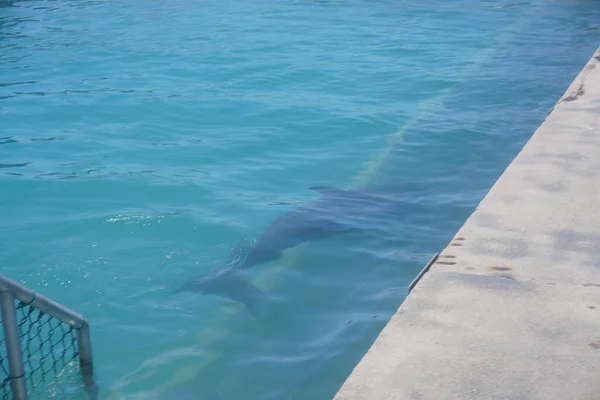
511, 308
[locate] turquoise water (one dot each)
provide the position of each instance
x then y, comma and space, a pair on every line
140, 141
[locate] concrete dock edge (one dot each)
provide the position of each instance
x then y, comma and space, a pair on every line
510, 309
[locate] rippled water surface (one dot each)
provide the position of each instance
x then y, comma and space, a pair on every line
142, 141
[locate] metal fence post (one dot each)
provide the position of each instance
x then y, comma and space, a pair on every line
13, 345
86, 365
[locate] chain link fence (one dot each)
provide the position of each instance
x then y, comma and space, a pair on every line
45, 350
4, 374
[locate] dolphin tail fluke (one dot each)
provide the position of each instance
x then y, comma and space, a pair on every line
235, 285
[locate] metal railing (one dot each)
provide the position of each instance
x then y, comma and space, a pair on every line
423, 272
41, 337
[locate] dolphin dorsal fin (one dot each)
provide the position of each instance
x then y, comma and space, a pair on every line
328, 191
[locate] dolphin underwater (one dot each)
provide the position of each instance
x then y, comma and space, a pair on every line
337, 211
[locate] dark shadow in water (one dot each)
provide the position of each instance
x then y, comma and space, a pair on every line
15, 165
336, 212
7, 3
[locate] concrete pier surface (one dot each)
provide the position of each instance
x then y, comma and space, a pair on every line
510, 310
